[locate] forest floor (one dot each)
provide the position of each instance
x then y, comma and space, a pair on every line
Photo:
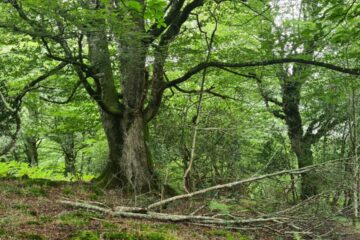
30, 209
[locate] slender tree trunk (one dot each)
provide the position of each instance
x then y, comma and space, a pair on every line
300, 144
31, 150
68, 147
355, 164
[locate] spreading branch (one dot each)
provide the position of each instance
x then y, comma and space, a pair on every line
29, 86
221, 65
72, 94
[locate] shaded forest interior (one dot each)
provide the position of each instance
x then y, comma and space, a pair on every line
179, 119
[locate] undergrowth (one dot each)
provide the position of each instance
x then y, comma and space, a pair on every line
22, 169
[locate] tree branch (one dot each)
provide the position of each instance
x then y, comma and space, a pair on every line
68, 99
173, 13
233, 184
222, 65
174, 28
29, 86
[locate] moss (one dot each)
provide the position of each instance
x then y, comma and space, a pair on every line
137, 236
78, 218
2, 232
67, 191
73, 219
129, 236
119, 236
153, 231
228, 235
31, 236
153, 236
20, 206
33, 223
35, 192
166, 227
97, 190
109, 226
86, 235
45, 219
94, 197
11, 189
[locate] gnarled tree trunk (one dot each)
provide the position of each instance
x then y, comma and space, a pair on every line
129, 163
124, 123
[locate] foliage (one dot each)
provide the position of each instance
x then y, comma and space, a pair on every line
220, 207
220, 123
22, 169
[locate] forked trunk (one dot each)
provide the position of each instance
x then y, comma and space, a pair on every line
123, 116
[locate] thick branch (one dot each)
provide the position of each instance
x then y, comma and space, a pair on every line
72, 94
221, 65
323, 129
173, 13
33, 83
174, 29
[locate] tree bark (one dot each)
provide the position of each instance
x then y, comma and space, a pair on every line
68, 147
129, 162
31, 150
300, 144
309, 181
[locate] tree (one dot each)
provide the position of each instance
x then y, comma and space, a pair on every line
127, 41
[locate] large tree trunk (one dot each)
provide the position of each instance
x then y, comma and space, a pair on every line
129, 165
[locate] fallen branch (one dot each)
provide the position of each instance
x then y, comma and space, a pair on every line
169, 217
232, 184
